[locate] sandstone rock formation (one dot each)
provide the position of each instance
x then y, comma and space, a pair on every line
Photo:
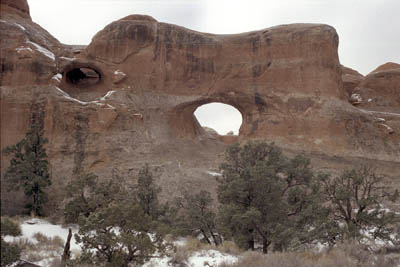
351, 79
380, 89
129, 98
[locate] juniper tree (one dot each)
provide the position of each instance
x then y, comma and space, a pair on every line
86, 193
356, 200
147, 192
266, 197
118, 234
114, 228
29, 166
196, 215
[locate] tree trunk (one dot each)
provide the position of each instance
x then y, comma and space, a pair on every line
265, 246
67, 252
205, 236
250, 242
214, 239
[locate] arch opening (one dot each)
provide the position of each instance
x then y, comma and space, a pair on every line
222, 118
83, 76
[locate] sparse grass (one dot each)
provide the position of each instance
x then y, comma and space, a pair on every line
192, 245
229, 247
344, 255
44, 248
49, 243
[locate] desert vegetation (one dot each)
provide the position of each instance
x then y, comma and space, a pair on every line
271, 210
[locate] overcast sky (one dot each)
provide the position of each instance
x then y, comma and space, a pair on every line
369, 30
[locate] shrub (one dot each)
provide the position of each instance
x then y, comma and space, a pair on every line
9, 253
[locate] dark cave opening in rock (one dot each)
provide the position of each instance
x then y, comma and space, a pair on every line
83, 76
222, 118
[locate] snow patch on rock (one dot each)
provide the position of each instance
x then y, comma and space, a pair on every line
109, 93
68, 58
43, 50
20, 26
68, 97
57, 77
214, 173
23, 48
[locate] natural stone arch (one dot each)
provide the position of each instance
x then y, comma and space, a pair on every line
219, 118
185, 124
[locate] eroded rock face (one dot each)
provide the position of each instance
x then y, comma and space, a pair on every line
351, 79
380, 89
130, 96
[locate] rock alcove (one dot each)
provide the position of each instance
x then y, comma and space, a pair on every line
83, 76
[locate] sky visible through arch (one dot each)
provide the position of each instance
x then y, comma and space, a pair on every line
221, 117
368, 29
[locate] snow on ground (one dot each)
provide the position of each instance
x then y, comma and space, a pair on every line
43, 50
197, 259
158, 262
214, 173
212, 257
31, 226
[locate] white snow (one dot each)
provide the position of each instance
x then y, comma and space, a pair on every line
214, 173
387, 127
67, 96
118, 72
57, 77
68, 58
32, 226
380, 112
13, 23
197, 259
20, 26
158, 262
23, 48
109, 93
43, 50
212, 257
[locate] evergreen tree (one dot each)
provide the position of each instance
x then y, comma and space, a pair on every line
118, 234
266, 197
196, 215
147, 192
356, 200
29, 166
114, 229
